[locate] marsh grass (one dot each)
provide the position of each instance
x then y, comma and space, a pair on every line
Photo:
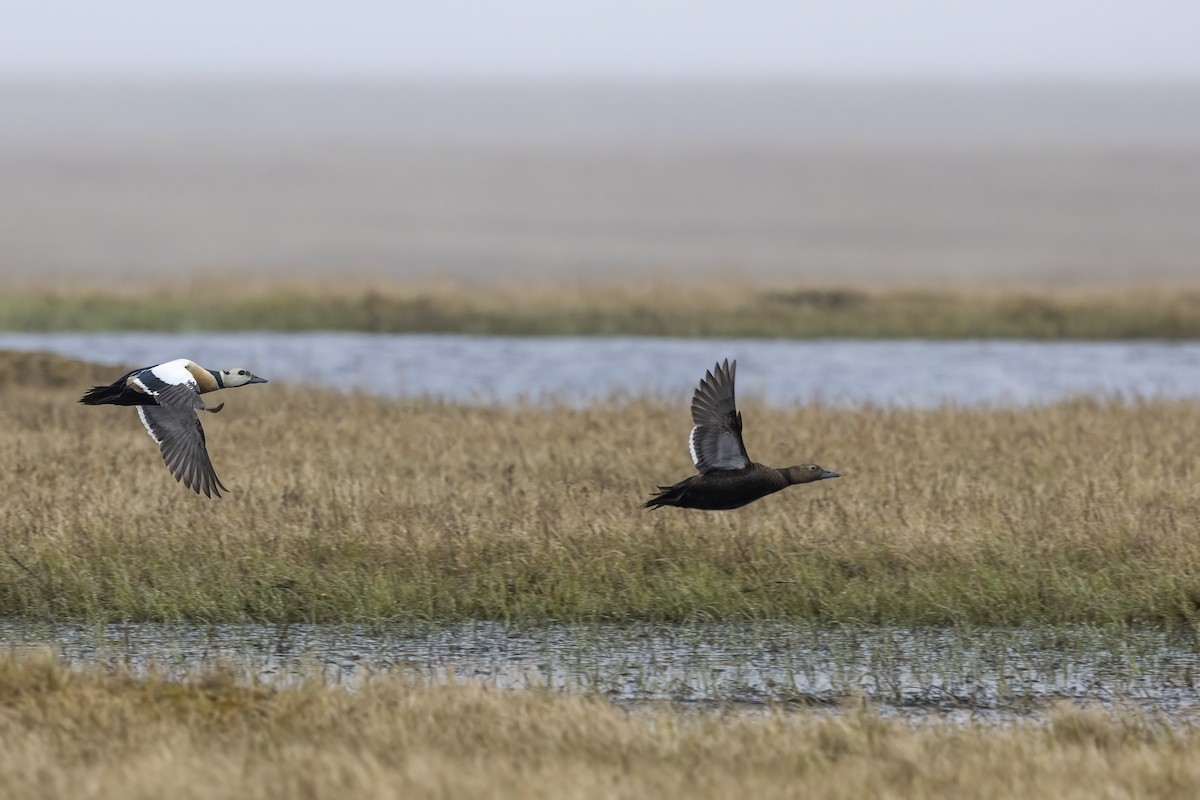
72, 733
351, 507
658, 308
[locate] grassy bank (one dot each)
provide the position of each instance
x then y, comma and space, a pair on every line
71, 734
656, 309
361, 508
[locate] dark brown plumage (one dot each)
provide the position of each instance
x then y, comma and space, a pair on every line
727, 477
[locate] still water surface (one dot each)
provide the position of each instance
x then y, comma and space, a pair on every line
496, 369
984, 673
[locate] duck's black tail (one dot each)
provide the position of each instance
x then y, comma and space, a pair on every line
101, 395
668, 495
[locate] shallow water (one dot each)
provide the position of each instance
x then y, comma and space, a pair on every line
496, 369
984, 673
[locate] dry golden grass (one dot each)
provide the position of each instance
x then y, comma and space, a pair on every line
362, 508
655, 308
78, 734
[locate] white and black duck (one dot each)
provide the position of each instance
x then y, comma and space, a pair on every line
167, 397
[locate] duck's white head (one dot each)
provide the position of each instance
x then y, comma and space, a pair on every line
229, 378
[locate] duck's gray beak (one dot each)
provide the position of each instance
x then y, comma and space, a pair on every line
827, 474
257, 379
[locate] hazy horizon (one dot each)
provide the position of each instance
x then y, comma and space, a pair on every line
856, 142
771, 183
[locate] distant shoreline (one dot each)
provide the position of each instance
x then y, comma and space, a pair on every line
656, 308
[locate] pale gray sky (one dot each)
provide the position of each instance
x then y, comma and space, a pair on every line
955, 40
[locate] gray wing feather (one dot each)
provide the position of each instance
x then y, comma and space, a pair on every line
716, 440
180, 395
181, 442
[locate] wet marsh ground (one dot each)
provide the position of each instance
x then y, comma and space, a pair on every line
1075, 522
970, 674
215, 736
657, 308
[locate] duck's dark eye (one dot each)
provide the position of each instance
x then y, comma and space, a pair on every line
241, 372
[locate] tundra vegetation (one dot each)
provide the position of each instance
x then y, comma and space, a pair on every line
658, 308
73, 733
349, 507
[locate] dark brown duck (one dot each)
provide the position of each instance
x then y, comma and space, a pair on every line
727, 477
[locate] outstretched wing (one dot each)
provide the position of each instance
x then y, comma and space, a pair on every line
170, 384
180, 439
716, 440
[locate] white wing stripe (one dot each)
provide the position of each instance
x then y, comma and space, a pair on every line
142, 416
692, 446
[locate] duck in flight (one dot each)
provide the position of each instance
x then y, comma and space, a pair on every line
167, 397
727, 477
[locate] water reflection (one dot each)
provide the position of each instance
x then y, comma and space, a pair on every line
496, 369
988, 672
